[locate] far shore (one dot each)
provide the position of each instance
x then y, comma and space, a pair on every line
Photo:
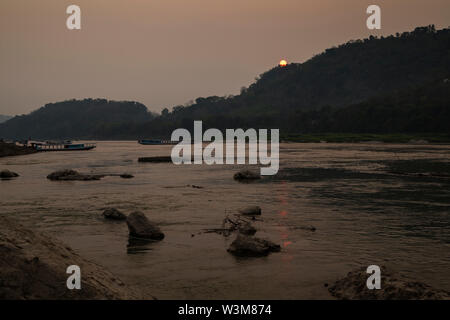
425, 138
11, 149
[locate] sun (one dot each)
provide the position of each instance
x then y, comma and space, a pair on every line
283, 63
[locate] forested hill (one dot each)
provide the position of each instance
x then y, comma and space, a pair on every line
4, 118
72, 119
391, 84
338, 77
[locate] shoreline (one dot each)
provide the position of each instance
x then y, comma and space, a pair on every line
419, 139
11, 149
33, 267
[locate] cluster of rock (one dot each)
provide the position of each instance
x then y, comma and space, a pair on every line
245, 243
393, 287
6, 174
236, 223
72, 175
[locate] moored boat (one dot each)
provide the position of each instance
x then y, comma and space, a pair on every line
155, 142
63, 147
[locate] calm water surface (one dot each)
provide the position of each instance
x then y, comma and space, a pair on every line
364, 213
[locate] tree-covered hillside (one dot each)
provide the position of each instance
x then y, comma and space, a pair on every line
4, 118
338, 77
72, 119
391, 84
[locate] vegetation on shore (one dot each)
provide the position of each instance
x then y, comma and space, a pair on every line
367, 137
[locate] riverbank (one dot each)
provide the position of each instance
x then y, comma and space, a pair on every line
33, 266
367, 137
11, 149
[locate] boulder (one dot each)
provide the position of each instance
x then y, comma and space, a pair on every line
246, 175
155, 159
126, 176
307, 228
247, 229
247, 246
251, 211
6, 174
72, 175
114, 214
393, 287
140, 227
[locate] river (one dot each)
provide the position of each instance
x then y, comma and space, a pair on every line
364, 208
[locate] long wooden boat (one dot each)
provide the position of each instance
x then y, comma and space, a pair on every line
152, 142
63, 147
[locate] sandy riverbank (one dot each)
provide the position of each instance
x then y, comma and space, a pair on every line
33, 266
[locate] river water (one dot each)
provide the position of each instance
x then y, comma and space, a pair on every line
364, 208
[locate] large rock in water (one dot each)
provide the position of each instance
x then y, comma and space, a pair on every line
246, 246
33, 266
114, 214
251, 211
155, 159
140, 227
72, 175
393, 287
6, 174
246, 176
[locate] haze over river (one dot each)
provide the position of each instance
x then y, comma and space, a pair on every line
369, 207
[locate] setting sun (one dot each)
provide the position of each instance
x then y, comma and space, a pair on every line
283, 63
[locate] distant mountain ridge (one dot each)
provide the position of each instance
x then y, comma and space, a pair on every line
4, 118
391, 84
77, 119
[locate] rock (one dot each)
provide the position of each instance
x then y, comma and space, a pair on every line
72, 175
155, 159
353, 287
6, 174
251, 211
247, 229
33, 266
246, 246
126, 176
140, 227
246, 176
307, 228
114, 214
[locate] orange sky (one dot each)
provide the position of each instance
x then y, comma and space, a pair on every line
167, 52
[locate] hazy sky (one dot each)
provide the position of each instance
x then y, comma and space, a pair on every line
167, 52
